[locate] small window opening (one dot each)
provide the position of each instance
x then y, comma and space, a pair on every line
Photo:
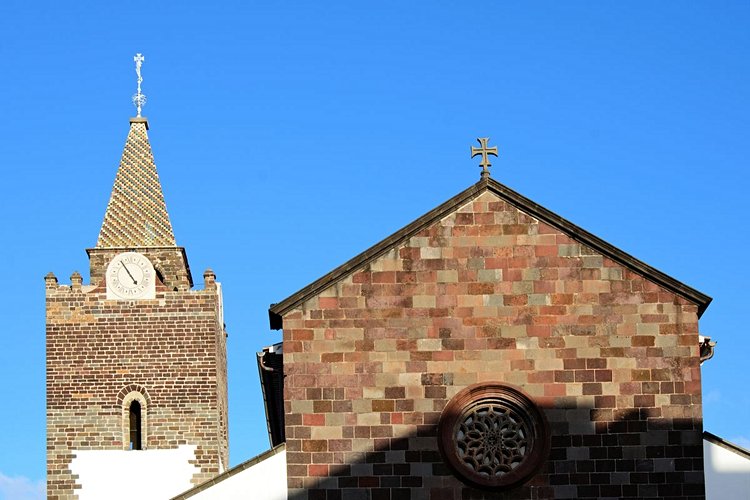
159, 276
135, 425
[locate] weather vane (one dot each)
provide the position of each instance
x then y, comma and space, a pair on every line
139, 99
484, 151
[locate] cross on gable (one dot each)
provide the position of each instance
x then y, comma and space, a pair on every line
485, 151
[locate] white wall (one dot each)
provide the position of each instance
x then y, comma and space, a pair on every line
727, 473
265, 480
128, 474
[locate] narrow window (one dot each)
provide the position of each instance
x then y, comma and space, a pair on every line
135, 425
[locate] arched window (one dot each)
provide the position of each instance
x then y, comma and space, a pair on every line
135, 425
135, 403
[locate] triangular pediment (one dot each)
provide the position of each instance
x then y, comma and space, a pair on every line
514, 199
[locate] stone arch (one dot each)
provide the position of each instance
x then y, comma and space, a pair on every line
125, 398
125, 391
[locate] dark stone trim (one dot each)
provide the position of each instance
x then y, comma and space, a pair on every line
527, 206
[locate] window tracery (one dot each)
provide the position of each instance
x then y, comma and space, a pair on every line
493, 436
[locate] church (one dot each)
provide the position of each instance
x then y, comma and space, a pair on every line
488, 349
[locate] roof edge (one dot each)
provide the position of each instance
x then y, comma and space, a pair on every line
581, 235
276, 311
231, 472
714, 439
375, 251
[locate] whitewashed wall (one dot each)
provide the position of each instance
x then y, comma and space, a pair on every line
265, 480
142, 474
727, 473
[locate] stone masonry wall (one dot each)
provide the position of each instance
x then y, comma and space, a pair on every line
172, 346
491, 294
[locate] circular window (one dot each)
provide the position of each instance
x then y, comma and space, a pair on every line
493, 436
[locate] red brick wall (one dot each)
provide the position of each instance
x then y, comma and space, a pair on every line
173, 346
491, 294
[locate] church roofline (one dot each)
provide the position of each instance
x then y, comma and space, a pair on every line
276, 311
231, 472
727, 445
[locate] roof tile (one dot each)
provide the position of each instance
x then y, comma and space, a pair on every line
136, 215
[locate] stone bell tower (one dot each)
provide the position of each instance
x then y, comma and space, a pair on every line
136, 360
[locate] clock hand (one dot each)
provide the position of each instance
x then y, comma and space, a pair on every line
127, 271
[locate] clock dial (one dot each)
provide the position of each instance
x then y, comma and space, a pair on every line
130, 275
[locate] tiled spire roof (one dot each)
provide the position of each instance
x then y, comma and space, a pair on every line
136, 215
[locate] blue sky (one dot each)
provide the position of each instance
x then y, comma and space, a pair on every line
291, 136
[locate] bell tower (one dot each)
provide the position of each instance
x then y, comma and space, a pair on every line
136, 359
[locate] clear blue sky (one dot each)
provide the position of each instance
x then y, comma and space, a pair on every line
291, 136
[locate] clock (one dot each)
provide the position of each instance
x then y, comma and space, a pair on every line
130, 276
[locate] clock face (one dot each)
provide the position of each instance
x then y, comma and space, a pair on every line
130, 275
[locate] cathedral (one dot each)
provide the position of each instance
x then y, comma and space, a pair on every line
488, 349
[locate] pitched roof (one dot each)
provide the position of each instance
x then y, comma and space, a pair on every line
276, 311
136, 214
231, 472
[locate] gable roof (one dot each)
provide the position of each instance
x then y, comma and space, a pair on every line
136, 214
276, 311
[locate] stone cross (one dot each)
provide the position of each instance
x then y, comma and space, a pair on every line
484, 150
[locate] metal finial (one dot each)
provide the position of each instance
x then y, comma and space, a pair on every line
139, 99
484, 151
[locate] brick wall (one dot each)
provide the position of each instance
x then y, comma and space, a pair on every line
491, 294
173, 346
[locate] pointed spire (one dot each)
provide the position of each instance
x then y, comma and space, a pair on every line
136, 215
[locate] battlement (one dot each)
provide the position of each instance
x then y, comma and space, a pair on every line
76, 285
173, 345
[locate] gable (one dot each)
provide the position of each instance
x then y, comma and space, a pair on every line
488, 304
505, 231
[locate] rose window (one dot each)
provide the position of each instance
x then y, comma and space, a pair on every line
493, 436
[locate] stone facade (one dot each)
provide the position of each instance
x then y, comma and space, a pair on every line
489, 293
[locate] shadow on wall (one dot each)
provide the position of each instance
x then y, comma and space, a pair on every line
595, 452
